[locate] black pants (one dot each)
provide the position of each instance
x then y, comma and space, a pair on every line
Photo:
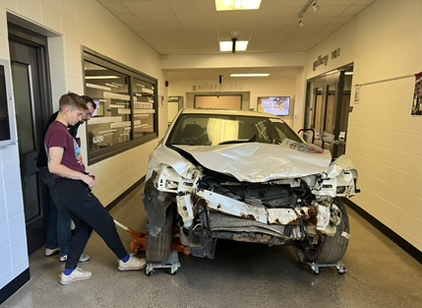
88, 214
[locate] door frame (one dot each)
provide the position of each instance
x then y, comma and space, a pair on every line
28, 37
39, 42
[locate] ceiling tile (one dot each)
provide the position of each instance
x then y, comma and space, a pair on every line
116, 8
150, 6
193, 26
128, 18
271, 14
158, 27
326, 11
203, 17
198, 27
192, 6
353, 10
272, 4
323, 3
156, 17
364, 2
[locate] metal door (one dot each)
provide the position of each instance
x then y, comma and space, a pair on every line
29, 88
327, 110
330, 111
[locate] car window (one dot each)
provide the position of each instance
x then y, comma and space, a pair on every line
200, 129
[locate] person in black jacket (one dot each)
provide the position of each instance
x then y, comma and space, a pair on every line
59, 222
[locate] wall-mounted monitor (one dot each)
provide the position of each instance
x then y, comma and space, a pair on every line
277, 105
7, 118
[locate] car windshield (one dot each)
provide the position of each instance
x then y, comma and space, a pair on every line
209, 129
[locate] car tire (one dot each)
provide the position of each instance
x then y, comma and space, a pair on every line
159, 247
330, 249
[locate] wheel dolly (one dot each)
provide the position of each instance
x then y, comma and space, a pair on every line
139, 243
315, 267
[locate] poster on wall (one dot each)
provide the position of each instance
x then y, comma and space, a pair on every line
417, 95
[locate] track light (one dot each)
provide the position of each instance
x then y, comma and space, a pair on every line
315, 7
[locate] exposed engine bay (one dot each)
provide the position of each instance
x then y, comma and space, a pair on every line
211, 205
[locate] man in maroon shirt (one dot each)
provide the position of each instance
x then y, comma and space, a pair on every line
73, 186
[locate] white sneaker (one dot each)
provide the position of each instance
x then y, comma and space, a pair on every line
49, 252
77, 275
133, 264
82, 258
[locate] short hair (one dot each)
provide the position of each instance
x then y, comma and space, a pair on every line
89, 100
72, 100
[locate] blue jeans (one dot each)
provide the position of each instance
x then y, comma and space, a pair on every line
58, 228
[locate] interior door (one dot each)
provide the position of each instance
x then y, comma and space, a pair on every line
28, 75
330, 111
327, 110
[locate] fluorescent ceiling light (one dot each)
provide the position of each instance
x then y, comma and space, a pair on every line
101, 77
348, 73
250, 75
228, 45
230, 5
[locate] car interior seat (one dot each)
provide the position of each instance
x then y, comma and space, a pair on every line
247, 131
195, 134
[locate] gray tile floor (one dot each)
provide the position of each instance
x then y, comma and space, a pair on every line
379, 274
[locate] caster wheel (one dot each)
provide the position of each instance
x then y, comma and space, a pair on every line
149, 273
315, 271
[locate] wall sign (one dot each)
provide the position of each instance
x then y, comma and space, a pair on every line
323, 60
216, 87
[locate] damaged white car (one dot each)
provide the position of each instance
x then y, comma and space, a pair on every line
245, 176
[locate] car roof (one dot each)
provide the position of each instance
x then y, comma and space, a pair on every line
228, 112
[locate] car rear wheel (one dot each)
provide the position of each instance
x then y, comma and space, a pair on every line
330, 249
159, 247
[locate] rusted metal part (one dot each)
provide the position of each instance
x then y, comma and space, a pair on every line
292, 216
260, 213
233, 207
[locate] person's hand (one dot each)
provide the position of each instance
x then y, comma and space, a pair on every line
89, 180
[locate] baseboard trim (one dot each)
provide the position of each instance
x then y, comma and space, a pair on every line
401, 242
124, 194
9, 289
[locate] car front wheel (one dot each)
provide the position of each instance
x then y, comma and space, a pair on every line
159, 247
330, 249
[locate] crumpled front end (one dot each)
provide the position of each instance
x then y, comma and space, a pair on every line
212, 205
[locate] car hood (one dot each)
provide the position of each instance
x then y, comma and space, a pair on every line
251, 162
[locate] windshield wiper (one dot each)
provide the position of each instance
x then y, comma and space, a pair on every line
252, 139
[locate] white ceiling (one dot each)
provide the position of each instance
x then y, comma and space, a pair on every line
194, 26
214, 73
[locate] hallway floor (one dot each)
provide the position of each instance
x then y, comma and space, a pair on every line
380, 274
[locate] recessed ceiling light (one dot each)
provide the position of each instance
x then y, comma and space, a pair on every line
230, 5
250, 75
101, 77
228, 45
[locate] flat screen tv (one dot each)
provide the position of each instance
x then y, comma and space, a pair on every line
7, 133
276, 105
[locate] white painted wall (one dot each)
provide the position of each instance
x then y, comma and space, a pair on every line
384, 140
71, 23
256, 88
